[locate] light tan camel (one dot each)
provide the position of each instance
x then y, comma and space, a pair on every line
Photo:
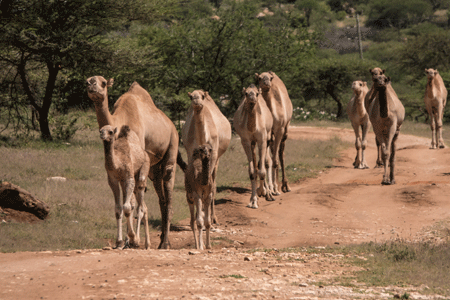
360, 120
370, 96
253, 122
199, 192
156, 133
203, 118
386, 114
435, 101
277, 99
127, 165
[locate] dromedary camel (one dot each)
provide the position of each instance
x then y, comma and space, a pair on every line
156, 133
253, 123
127, 165
277, 98
370, 96
435, 100
386, 114
360, 120
204, 118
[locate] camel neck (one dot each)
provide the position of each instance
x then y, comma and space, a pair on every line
251, 118
384, 111
205, 170
360, 104
200, 126
110, 158
104, 117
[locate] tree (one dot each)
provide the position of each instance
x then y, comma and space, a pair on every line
40, 38
398, 13
221, 55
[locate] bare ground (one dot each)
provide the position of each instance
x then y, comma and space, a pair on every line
342, 206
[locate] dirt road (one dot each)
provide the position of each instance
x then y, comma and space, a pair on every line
341, 206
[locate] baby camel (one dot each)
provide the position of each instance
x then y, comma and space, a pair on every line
127, 165
360, 119
435, 100
200, 191
253, 123
386, 114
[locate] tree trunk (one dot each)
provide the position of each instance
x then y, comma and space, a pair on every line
331, 92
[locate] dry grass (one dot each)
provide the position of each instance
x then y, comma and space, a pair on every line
82, 211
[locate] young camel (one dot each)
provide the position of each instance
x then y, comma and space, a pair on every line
370, 96
435, 100
277, 99
199, 192
156, 132
253, 123
203, 117
360, 120
386, 114
127, 165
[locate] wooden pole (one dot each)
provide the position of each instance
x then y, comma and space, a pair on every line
359, 37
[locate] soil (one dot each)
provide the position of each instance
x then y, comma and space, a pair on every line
250, 256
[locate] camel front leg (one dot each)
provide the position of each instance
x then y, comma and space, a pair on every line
262, 191
433, 128
142, 211
190, 199
128, 195
200, 221
387, 149
275, 153
249, 148
115, 187
379, 162
365, 130
207, 216
214, 218
284, 185
357, 161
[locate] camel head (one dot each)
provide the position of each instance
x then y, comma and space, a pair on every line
265, 80
376, 72
251, 95
197, 98
358, 86
381, 82
431, 73
97, 88
107, 133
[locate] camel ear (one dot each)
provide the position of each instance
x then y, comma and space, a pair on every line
243, 91
196, 153
205, 95
110, 82
190, 95
436, 72
384, 71
370, 71
115, 130
256, 76
389, 79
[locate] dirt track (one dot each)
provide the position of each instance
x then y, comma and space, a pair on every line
341, 206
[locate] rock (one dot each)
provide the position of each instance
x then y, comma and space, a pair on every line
57, 178
14, 197
247, 258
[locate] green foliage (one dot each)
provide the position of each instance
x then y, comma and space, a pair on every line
397, 13
65, 128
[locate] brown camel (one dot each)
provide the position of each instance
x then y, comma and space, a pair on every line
200, 185
386, 114
202, 119
360, 120
156, 133
127, 165
253, 122
370, 96
277, 98
435, 100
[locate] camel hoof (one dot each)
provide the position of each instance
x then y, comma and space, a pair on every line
285, 189
119, 245
441, 146
269, 197
252, 205
164, 245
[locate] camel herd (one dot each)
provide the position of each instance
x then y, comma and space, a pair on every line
140, 141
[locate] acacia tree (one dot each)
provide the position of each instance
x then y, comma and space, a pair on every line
41, 38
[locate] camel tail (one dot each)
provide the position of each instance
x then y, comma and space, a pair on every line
124, 131
181, 162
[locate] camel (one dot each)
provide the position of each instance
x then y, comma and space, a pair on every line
253, 122
277, 99
203, 119
360, 120
370, 96
435, 100
199, 192
127, 165
386, 114
156, 132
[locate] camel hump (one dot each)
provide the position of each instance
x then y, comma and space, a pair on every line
124, 131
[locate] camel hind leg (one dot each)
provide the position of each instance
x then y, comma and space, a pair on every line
433, 123
392, 158
284, 184
439, 139
142, 211
365, 130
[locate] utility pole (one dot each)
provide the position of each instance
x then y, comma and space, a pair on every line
359, 36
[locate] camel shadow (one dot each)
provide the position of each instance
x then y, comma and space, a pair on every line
239, 190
